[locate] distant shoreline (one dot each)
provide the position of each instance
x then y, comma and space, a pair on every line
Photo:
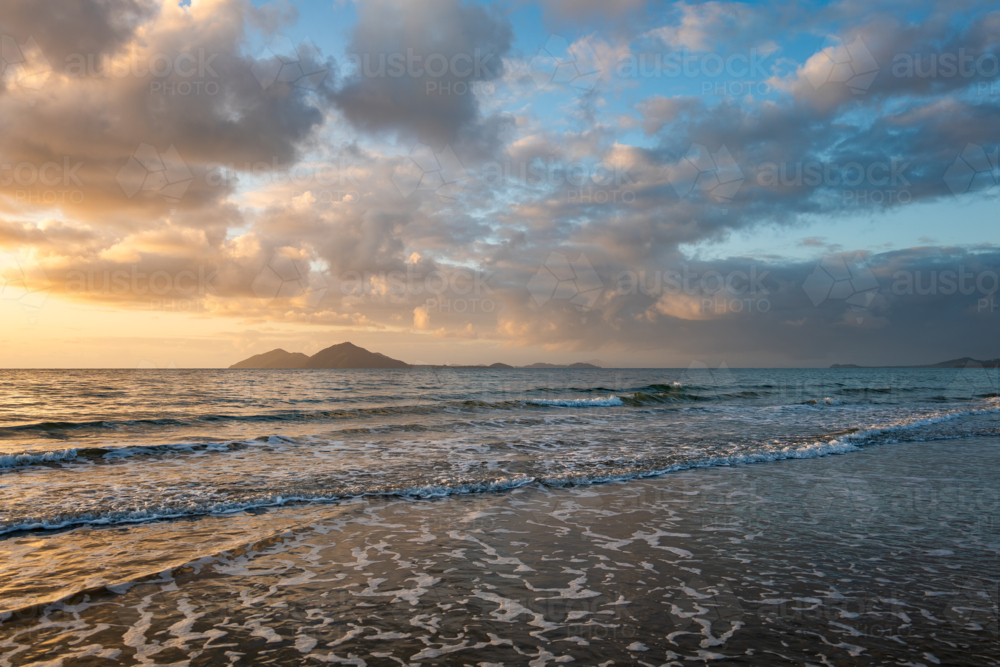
347, 355
963, 362
990, 365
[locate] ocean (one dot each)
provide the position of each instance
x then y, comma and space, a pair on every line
138, 491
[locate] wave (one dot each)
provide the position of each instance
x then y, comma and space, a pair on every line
264, 500
574, 472
29, 459
867, 434
213, 419
63, 429
110, 454
94, 454
605, 402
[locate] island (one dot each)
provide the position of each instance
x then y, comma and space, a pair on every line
349, 355
344, 355
963, 362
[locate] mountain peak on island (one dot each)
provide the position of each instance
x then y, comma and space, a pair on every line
342, 355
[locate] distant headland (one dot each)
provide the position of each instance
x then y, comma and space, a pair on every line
963, 362
349, 355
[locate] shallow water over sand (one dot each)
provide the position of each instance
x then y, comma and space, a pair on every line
884, 556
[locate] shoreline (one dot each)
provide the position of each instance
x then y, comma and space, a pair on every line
717, 563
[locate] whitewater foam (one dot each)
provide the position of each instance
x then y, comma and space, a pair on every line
604, 402
28, 459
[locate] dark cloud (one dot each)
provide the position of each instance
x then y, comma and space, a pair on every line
419, 67
61, 29
892, 58
686, 309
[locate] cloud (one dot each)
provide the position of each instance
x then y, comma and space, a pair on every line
658, 111
421, 318
583, 10
62, 29
417, 68
116, 176
884, 57
714, 26
131, 151
175, 83
757, 313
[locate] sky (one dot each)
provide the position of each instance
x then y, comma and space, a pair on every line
635, 184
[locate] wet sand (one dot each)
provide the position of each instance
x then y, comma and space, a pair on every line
890, 555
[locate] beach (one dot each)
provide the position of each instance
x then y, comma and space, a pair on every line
883, 556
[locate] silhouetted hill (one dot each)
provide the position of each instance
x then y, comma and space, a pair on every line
344, 355
273, 359
348, 355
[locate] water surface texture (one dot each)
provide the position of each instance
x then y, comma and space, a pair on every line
107, 447
155, 510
